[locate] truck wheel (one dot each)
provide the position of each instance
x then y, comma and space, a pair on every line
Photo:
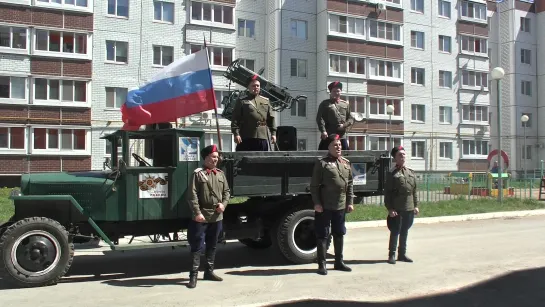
296, 237
35, 252
261, 243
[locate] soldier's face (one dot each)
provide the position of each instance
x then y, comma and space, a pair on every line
335, 148
400, 157
336, 93
254, 87
212, 159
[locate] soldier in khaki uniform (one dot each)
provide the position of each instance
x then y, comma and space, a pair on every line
208, 195
331, 188
400, 198
334, 116
253, 121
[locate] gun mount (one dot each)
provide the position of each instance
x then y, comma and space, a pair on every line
278, 97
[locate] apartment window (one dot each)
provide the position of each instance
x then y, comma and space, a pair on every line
220, 56
246, 28
298, 68
117, 51
529, 122
301, 144
346, 65
444, 8
356, 142
346, 25
377, 106
445, 43
473, 10
299, 29
53, 90
445, 79
394, 1
163, 55
59, 139
417, 6
526, 152
164, 11
12, 87
65, 42
418, 113
383, 142
525, 55
417, 76
212, 13
475, 78
474, 148
445, 150
417, 39
475, 113
525, 24
526, 88
474, 44
115, 97
445, 115
12, 138
418, 149
118, 8
250, 64
299, 108
383, 30
357, 103
82, 3
13, 37
378, 68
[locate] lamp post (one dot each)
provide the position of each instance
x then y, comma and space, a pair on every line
390, 110
524, 118
497, 74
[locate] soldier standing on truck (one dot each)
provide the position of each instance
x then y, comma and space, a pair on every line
331, 188
401, 200
252, 123
333, 116
208, 195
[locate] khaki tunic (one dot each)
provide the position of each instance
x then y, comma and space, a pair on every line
252, 117
330, 115
400, 193
331, 185
205, 192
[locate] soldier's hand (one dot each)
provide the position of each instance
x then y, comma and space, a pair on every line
392, 213
318, 208
273, 139
238, 139
350, 208
220, 208
199, 218
416, 211
324, 135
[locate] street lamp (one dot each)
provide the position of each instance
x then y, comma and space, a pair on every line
497, 74
390, 110
524, 118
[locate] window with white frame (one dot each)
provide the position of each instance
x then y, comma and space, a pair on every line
115, 97
525, 24
301, 144
445, 79
418, 113
118, 8
357, 103
526, 87
444, 8
474, 44
445, 115
163, 55
12, 138
59, 139
219, 56
418, 76
163, 11
475, 78
212, 13
474, 148
377, 106
356, 142
226, 140
13, 37
445, 150
475, 113
417, 39
343, 64
384, 69
382, 142
417, 6
346, 25
384, 30
473, 10
12, 87
73, 3
299, 108
56, 91
62, 42
525, 56
529, 122
117, 51
394, 1
246, 27
298, 68
299, 29
526, 152
445, 43
248, 63
418, 149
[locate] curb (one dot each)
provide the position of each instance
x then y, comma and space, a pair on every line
452, 218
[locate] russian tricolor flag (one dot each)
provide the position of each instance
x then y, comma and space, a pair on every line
182, 88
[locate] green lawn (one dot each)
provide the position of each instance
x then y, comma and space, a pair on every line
6, 206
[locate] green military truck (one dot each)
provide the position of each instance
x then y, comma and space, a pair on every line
55, 211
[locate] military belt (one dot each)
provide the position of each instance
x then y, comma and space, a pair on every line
260, 124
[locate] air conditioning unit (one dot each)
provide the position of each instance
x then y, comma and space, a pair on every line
381, 6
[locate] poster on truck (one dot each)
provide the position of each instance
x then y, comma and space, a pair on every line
359, 174
189, 148
153, 185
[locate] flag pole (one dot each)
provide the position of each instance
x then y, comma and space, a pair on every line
215, 101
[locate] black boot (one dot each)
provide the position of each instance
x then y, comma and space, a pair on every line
194, 270
321, 251
402, 255
209, 272
338, 244
392, 245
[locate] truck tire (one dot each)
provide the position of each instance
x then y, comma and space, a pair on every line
35, 252
261, 243
296, 238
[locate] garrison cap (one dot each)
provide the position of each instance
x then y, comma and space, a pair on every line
335, 84
331, 138
208, 150
396, 149
252, 78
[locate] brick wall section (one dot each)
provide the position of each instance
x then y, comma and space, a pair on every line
364, 9
78, 21
74, 68
44, 66
44, 164
45, 115
384, 88
364, 48
64, 67
46, 18
74, 164
377, 126
472, 29
525, 6
24, 164
13, 114
76, 116
13, 164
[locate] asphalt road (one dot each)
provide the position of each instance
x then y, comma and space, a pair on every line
476, 263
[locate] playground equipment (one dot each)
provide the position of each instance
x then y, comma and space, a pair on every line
477, 183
